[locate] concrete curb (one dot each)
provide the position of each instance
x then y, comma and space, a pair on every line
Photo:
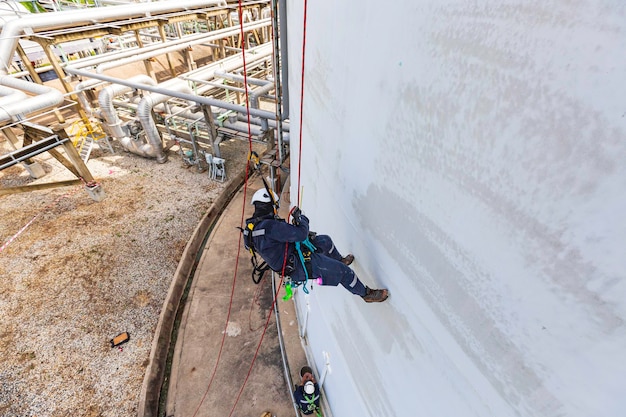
155, 372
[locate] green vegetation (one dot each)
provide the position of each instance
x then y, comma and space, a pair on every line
33, 6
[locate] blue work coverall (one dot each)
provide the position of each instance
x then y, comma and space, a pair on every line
270, 236
307, 403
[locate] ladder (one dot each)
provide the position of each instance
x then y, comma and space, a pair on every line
85, 136
85, 148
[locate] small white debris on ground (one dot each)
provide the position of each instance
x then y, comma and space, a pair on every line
83, 272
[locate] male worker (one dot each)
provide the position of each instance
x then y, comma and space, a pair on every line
307, 393
285, 247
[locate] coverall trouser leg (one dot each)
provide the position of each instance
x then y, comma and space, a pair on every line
325, 245
334, 272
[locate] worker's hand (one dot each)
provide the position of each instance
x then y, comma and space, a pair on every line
296, 215
307, 377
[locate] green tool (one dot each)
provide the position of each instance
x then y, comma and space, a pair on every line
288, 292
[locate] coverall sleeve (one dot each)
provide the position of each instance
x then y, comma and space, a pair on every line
285, 232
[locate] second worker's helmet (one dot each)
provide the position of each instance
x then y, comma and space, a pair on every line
262, 196
309, 387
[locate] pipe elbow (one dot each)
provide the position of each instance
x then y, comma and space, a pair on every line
152, 152
134, 146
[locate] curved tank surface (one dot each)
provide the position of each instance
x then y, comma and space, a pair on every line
471, 156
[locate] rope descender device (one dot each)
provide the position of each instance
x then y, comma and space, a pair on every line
256, 162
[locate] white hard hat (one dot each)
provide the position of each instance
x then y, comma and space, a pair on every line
309, 388
263, 197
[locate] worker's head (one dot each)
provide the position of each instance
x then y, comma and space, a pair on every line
262, 196
309, 387
263, 202
306, 370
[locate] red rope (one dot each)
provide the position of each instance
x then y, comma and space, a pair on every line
256, 300
243, 208
275, 296
245, 71
301, 99
256, 353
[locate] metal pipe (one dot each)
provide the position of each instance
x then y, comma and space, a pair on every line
186, 113
25, 73
240, 78
243, 127
163, 49
44, 97
9, 95
13, 28
254, 56
271, 122
158, 46
283, 351
284, 57
154, 147
266, 87
198, 99
80, 94
105, 99
276, 67
326, 369
170, 89
254, 100
239, 126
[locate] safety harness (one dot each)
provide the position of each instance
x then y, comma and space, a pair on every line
305, 259
312, 406
304, 250
258, 269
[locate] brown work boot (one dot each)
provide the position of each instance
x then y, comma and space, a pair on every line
348, 259
375, 296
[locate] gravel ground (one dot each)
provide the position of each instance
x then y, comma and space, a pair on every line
84, 271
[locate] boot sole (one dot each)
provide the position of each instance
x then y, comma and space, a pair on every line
376, 296
348, 260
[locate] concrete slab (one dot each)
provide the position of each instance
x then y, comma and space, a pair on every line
212, 333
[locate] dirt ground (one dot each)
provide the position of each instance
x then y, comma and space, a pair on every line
81, 272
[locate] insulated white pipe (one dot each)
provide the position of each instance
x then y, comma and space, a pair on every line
10, 11
105, 99
189, 97
14, 28
159, 46
80, 94
254, 99
7, 97
154, 147
241, 79
45, 97
253, 56
177, 46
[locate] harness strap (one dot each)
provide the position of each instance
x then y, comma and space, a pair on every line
258, 269
305, 259
311, 402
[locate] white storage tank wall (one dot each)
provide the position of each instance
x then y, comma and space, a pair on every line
472, 155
